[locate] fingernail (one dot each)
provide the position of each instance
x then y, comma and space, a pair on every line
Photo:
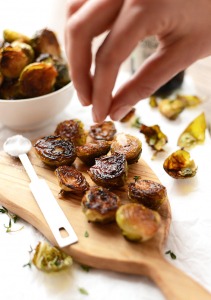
120, 112
84, 101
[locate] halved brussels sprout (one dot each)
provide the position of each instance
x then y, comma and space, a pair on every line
109, 171
37, 79
194, 134
100, 205
72, 130
11, 36
137, 222
179, 165
147, 192
71, 180
50, 259
13, 61
103, 131
26, 48
88, 152
171, 108
55, 151
128, 145
155, 138
45, 41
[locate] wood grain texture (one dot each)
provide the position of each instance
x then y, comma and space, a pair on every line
105, 248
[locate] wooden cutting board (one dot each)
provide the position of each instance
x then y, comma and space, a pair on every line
105, 247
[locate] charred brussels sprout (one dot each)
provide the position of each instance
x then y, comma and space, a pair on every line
137, 222
100, 205
13, 61
88, 152
11, 36
72, 130
109, 171
71, 180
147, 192
155, 138
128, 145
171, 108
50, 259
55, 151
45, 41
179, 165
194, 134
37, 79
104, 131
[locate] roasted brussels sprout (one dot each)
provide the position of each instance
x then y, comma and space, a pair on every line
147, 192
9, 89
71, 180
171, 108
137, 222
100, 205
55, 151
37, 79
45, 41
13, 61
109, 171
26, 48
155, 138
194, 134
63, 77
11, 36
88, 152
179, 165
153, 101
104, 131
128, 145
72, 130
50, 259
1, 78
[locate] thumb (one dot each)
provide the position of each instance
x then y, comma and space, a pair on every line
158, 69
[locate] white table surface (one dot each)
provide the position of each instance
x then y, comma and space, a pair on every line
190, 199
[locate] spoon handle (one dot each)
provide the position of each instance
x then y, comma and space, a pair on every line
53, 214
28, 166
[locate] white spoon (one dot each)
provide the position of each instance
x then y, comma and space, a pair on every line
18, 146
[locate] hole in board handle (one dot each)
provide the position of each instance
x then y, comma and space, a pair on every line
63, 232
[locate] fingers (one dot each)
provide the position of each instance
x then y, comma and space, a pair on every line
85, 22
156, 71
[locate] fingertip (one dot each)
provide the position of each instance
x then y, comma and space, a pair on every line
120, 112
84, 100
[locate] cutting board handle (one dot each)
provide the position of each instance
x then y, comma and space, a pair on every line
174, 284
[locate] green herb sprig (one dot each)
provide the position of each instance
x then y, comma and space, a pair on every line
172, 255
12, 217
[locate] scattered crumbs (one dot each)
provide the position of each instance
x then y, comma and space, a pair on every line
86, 234
173, 256
85, 268
83, 291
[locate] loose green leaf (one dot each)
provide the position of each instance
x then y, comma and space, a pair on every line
83, 291
85, 268
86, 234
173, 256
136, 177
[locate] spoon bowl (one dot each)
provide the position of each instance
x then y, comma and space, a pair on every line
17, 145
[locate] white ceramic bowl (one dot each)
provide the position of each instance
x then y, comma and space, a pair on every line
34, 113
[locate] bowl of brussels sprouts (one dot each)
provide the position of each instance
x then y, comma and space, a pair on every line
35, 84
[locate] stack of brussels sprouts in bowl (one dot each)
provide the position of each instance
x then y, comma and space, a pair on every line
34, 79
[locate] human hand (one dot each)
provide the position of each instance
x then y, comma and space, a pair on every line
181, 27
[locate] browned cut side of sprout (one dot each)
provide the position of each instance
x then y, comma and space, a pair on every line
171, 108
71, 180
100, 205
104, 131
137, 222
147, 192
128, 145
88, 152
45, 41
50, 259
37, 79
194, 134
13, 61
109, 171
55, 151
72, 130
179, 165
155, 138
